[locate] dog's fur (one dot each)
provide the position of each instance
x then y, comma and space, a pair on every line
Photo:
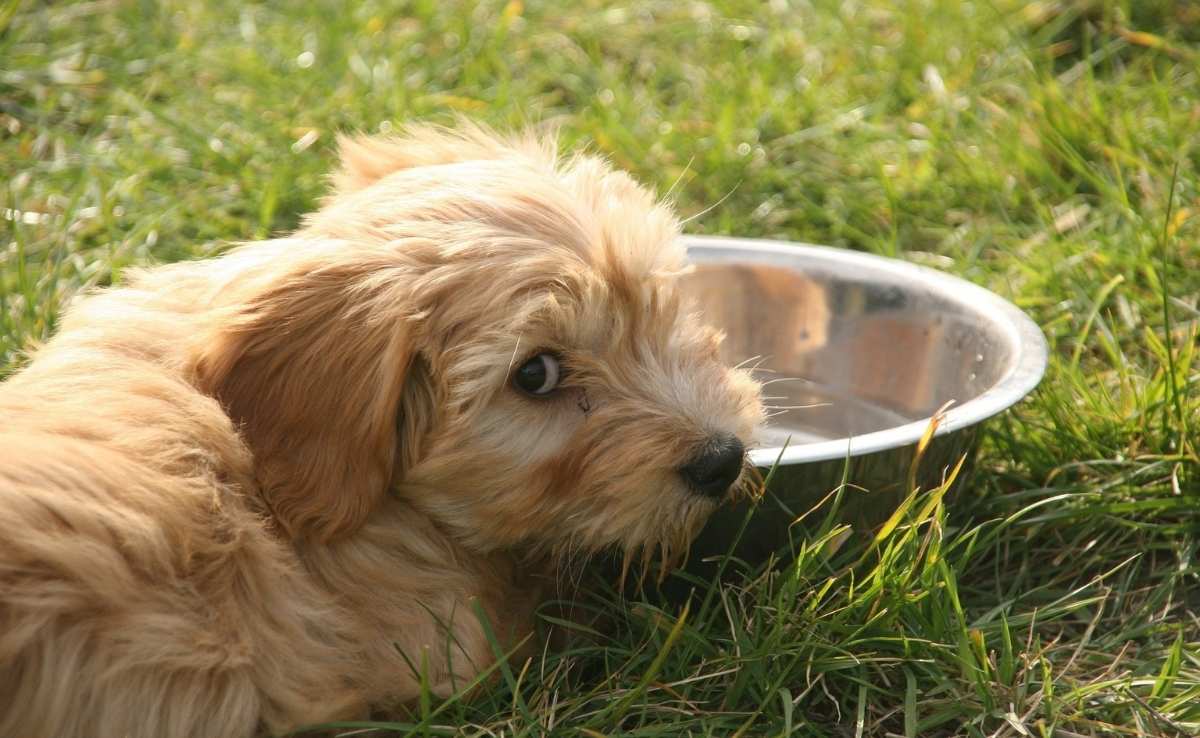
252, 493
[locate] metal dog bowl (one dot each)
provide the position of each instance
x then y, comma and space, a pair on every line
858, 353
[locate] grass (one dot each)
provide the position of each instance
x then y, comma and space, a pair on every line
1046, 150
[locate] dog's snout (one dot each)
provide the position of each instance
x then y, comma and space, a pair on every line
716, 466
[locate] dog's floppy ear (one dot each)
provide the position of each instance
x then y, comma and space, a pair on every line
321, 376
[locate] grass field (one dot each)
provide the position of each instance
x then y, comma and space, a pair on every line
1046, 150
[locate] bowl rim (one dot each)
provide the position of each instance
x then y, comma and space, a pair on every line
1028, 366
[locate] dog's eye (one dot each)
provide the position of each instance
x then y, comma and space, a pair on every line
539, 376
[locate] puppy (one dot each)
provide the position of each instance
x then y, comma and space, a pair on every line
280, 487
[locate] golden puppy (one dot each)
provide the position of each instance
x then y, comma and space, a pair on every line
247, 494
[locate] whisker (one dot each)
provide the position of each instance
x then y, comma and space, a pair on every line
647, 553
625, 561
786, 379
513, 359
758, 366
799, 407
687, 168
712, 207
758, 357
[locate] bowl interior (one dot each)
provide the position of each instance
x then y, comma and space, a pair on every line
846, 344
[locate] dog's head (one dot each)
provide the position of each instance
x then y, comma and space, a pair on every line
495, 335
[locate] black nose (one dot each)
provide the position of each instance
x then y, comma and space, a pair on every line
717, 466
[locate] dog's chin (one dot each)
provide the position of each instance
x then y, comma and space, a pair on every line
667, 547
660, 543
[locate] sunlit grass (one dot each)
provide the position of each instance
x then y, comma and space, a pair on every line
1029, 147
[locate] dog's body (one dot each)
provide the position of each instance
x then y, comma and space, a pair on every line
266, 490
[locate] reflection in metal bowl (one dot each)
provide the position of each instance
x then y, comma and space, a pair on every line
857, 352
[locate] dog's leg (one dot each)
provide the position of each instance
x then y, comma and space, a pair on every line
136, 604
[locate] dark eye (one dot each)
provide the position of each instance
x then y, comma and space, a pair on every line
539, 376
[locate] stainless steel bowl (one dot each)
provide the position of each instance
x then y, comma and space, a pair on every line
858, 353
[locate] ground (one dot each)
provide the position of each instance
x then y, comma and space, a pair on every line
1046, 150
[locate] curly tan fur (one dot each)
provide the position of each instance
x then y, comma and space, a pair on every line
246, 494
